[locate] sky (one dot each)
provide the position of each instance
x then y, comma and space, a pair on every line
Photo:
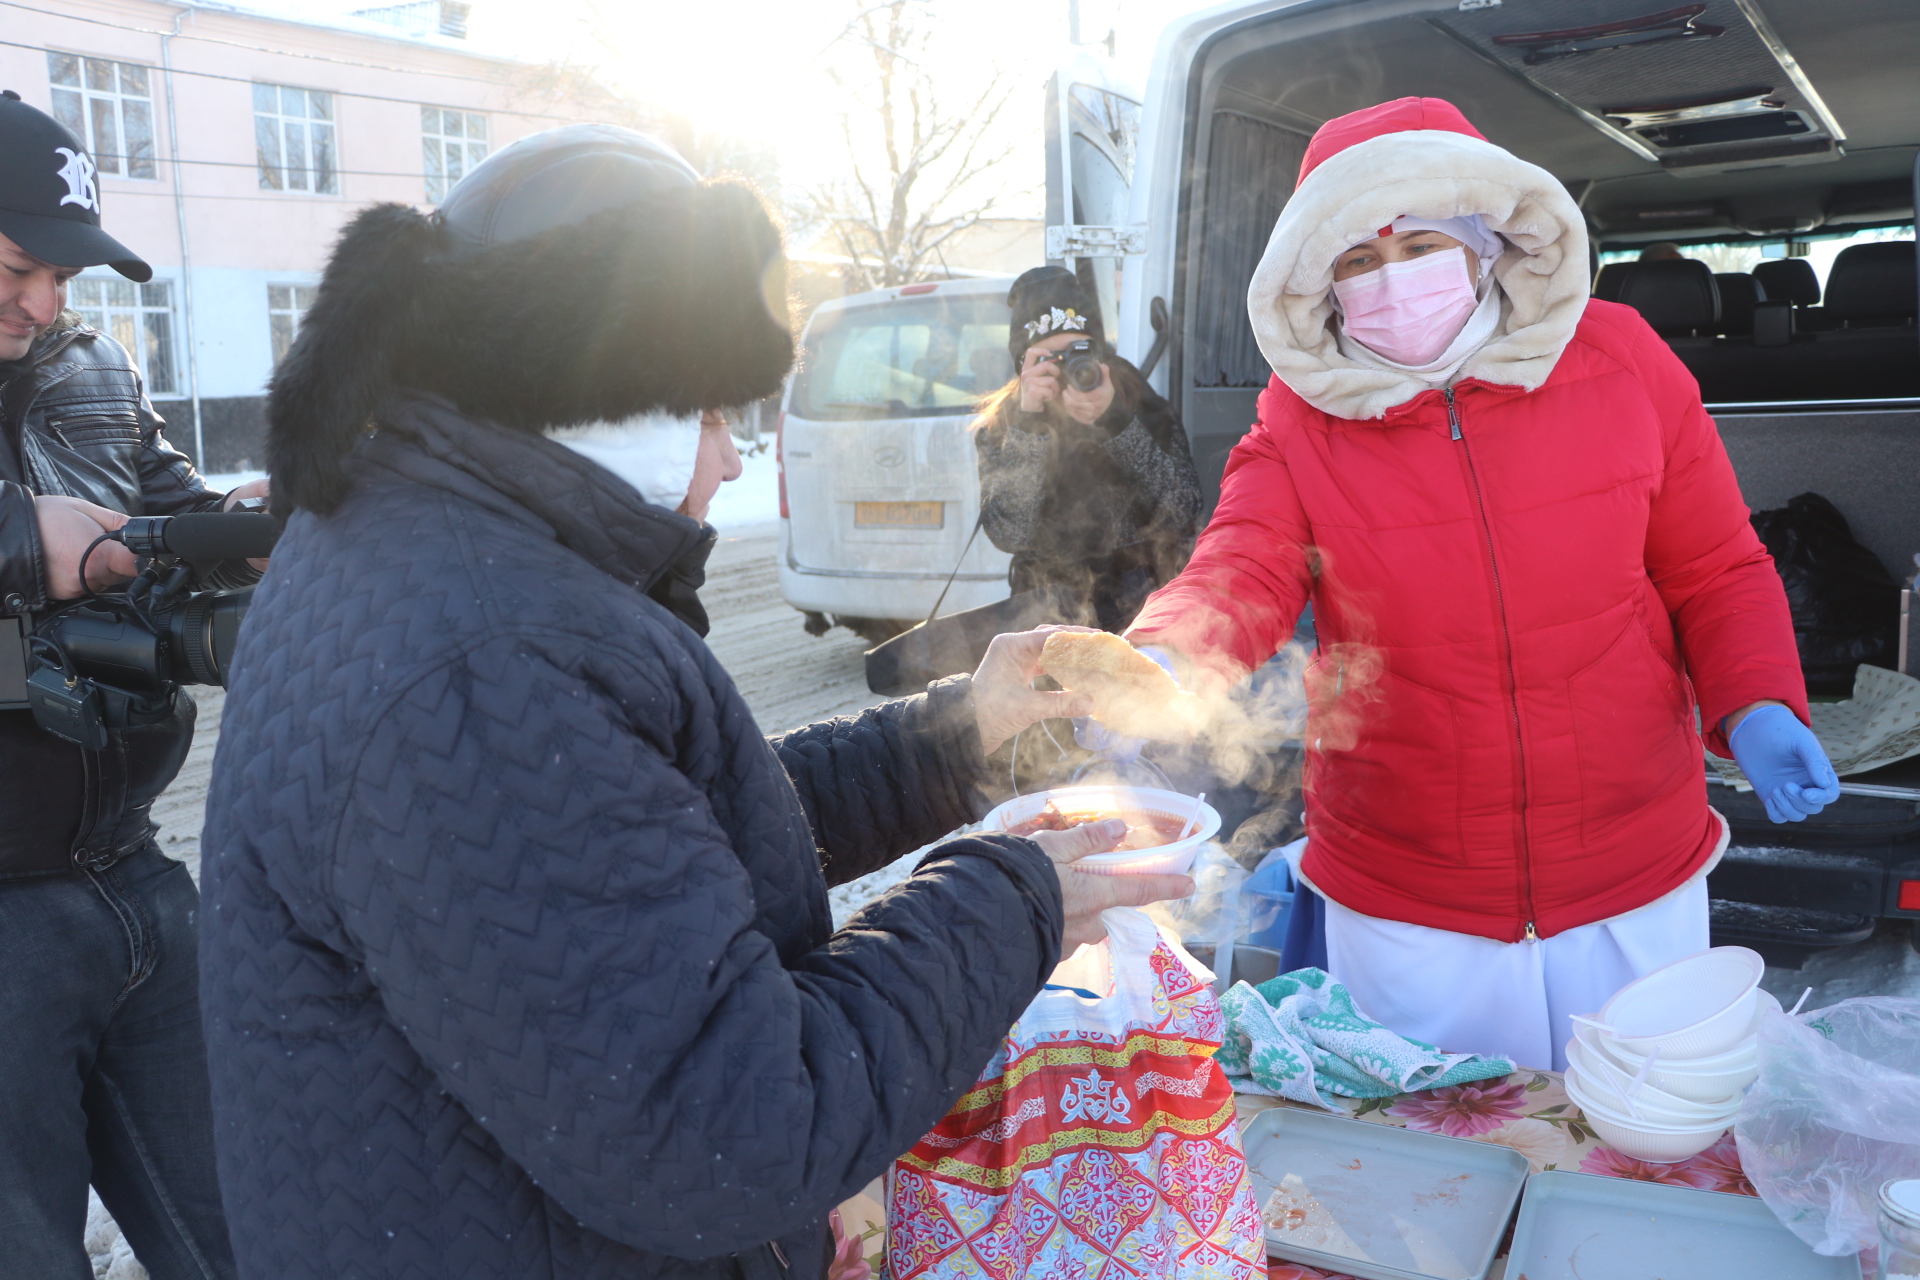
755, 68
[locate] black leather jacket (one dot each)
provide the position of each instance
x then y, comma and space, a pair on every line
77, 421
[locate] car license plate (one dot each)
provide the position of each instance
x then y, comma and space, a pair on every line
899, 515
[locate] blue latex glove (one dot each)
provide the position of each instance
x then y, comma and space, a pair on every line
1096, 737
1785, 764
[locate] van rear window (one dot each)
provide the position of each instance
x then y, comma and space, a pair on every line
909, 359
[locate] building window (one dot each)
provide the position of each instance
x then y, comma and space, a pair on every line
454, 141
293, 135
137, 316
108, 105
422, 17
286, 305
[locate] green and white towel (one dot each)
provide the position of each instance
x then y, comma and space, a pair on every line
1300, 1036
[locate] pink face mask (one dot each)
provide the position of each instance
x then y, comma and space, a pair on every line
1409, 312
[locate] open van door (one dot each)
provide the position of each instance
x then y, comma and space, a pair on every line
1093, 134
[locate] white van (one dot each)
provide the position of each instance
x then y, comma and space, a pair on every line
879, 491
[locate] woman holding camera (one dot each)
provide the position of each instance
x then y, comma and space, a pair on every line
1085, 474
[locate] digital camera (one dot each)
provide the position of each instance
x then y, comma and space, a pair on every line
1080, 363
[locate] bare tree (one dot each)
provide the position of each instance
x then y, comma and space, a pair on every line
920, 162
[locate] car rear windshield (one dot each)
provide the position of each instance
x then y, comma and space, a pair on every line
916, 358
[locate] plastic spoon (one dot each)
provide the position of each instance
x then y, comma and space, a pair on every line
1614, 1076
1194, 818
1645, 1067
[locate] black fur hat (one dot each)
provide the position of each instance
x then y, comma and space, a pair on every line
1046, 301
582, 274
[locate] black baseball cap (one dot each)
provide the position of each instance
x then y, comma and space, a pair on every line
49, 196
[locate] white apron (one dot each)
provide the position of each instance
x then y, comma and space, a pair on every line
1468, 994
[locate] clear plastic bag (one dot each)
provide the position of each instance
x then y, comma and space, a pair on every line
1834, 1113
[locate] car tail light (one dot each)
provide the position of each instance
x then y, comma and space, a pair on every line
1910, 895
908, 291
780, 461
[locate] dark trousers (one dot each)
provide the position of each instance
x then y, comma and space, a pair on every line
103, 1073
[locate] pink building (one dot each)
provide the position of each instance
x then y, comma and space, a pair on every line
232, 146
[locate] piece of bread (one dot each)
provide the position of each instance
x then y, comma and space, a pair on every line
1131, 694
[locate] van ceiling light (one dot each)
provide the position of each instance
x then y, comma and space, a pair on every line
1653, 28
1669, 215
1739, 102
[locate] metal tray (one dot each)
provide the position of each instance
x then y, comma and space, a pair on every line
1579, 1226
1378, 1202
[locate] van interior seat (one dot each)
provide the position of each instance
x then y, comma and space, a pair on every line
1874, 351
1678, 297
1871, 290
1789, 280
1872, 285
1793, 280
1606, 285
1738, 294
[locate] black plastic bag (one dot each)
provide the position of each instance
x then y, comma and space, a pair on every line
1846, 606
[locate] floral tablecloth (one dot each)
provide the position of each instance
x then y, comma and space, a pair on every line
1530, 1112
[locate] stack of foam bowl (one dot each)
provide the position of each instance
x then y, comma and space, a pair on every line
1661, 1070
1172, 858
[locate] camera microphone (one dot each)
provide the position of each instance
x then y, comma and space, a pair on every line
202, 537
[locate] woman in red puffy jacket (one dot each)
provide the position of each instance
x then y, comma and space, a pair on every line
1530, 568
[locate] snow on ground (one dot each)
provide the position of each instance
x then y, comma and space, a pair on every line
753, 499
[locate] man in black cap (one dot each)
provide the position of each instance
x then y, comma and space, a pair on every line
100, 1046
518, 953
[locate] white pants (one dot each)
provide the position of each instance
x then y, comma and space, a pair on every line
1469, 994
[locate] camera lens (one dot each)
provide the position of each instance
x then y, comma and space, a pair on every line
1083, 372
201, 632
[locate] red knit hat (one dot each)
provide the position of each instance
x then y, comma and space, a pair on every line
1402, 115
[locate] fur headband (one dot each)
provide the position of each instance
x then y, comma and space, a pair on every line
1428, 174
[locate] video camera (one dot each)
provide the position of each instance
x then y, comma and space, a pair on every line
113, 660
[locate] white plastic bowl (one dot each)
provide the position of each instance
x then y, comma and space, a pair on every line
1693, 1008
1697, 1079
1656, 1144
1166, 859
1612, 1085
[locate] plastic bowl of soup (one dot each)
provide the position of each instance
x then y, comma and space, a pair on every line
1155, 818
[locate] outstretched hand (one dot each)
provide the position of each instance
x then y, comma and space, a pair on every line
1084, 894
1004, 699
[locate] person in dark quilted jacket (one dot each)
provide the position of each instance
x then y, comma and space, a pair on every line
516, 951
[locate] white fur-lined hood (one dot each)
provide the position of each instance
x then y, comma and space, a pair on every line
1426, 173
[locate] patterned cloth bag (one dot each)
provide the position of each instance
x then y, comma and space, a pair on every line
1099, 1144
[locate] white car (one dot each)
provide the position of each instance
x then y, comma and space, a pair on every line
879, 491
